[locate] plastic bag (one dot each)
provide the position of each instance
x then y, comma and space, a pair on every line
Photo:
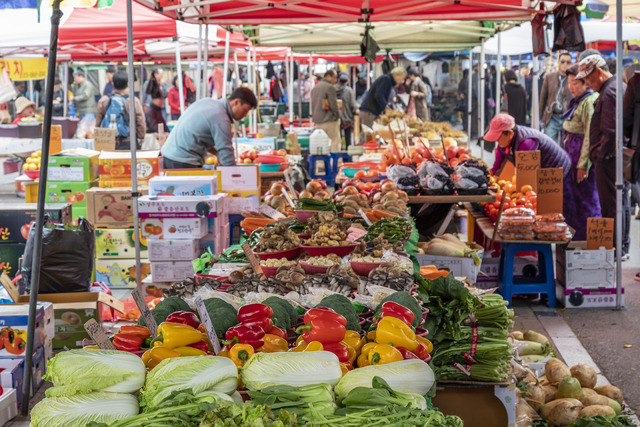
66, 263
85, 128
7, 89
404, 177
436, 178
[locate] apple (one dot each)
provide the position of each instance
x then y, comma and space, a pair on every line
247, 160
282, 152
452, 152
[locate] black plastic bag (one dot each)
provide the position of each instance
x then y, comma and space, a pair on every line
67, 258
368, 46
567, 30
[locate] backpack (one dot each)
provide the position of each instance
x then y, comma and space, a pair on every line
117, 106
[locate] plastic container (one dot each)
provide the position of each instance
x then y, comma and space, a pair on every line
517, 220
550, 217
269, 167
269, 159
559, 228
326, 250
319, 143
34, 174
303, 215
517, 236
313, 269
364, 268
288, 254
351, 172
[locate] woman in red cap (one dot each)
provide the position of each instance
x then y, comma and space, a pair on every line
511, 138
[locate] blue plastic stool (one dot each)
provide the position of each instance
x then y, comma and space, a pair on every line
328, 176
335, 158
234, 228
544, 283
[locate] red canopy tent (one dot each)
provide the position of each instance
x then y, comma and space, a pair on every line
269, 53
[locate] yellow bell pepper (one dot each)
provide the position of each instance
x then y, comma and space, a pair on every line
224, 353
299, 340
172, 335
189, 351
383, 353
312, 346
363, 361
425, 342
343, 368
352, 338
273, 344
352, 351
396, 333
240, 354
151, 358
371, 336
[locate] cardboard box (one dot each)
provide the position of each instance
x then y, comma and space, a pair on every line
69, 192
587, 298
77, 213
10, 254
183, 186
479, 405
76, 165
243, 201
16, 219
181, 207
16, 317
173, 250
110, 207
173, 228
72, 310
12, 377
120, 273
457, 265
8, 405
117, 165
585, 269
39, 367
239, 178
171, 271
118, 243
48, 324
124, 182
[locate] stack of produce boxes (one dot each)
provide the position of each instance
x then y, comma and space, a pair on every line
15, 223
181, 216
110, 210
115, 168
71, 174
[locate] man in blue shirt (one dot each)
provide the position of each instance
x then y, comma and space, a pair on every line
379, 95
206, 127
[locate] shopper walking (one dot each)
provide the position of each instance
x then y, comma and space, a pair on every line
324, 108
84, 96
419, 93
174, 100
349, 107
153, 86
602, 146
378, 96
361, 86
516, 98
580, 199
554, 98
58, 99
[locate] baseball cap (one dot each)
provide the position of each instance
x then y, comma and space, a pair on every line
344, 76
588, 65
499, 124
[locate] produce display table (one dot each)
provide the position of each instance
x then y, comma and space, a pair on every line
486, 403
12, 146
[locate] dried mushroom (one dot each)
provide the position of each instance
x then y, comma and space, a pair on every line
277, 238
187, 287
328, 235
397, 281
333, 282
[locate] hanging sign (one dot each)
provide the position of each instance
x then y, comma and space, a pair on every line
25, 69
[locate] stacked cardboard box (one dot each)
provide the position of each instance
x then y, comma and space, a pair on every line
177, 228
115, 168
71, 174
242, 185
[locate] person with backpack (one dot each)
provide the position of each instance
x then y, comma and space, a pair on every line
116, 107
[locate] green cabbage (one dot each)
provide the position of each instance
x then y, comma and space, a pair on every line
405, 376
84, 371
197, 374
295, 369
81, 409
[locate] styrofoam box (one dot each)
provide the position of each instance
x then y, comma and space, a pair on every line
12, 376
173, 249
458, 266
589, 269
587, 298
170, 271
183, 186
174, 228
48, 321
8, 406
182, 207
491, 265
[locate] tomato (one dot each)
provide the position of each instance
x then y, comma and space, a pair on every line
360, 174
372, 173
521, 201
368, 186
406, 161
389, 158
282, 152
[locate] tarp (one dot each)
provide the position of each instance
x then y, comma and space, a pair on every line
22, 34
276, 53
254, 12
396, 36
630, 8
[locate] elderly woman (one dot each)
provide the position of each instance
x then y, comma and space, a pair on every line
581, 194
24, 109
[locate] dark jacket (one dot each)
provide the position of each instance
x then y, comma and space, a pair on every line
57, 110
603, 123
516, 102
377, 98
349, 107
153, 115
551, 154
630, 101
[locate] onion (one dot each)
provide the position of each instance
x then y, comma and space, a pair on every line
387, 187
313, 187
277, 189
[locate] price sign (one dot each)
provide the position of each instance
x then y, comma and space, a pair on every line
600, 233
253, 260
286, 196
364, 217
208, 326
549, 190
55, 139
287, 179
97, 335
527, 165
270, 212
146, 313
354, 233
104, 139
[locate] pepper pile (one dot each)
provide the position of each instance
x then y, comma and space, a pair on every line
392, 229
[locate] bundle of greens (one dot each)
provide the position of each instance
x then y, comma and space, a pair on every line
392, 229
317, 205
378, 395
247, 415
299, 400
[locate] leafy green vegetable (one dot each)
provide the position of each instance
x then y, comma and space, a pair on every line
342, 305
223, 315
248, 415
622, 420
188, 373
159, 315
379, 394
173, 304
82, 409
87, 370
297, 399
393, 229
316, 205
406, 300
284, 315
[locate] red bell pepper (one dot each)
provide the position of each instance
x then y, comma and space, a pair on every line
279, 332
128, 343
259, 314
201, 345
324, 325
421, 352
406, 354
245, 334
393, 309
339, 350
184, 317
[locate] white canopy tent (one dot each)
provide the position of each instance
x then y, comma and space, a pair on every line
22, 34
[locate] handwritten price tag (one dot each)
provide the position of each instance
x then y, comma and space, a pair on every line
527, 165
600, 233
270, 212
208, 326
97, 335
286, 196
549, 190
145, 312
354, 233
253, 260
104, 139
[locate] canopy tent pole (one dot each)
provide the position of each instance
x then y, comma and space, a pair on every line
312, 84
65, 85
131, 83
199, 64
481, 100
535, 96
353, 78
470, 94
619, 151
300, 92
250, 85
205, 63
290, 87
32, 98
497, 95
226, 65
368, 75
42, 193
256, 89
179, 71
